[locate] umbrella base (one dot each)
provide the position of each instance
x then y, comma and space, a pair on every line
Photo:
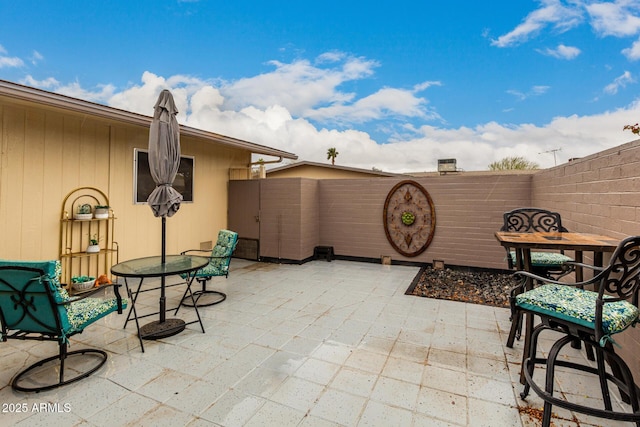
157, 330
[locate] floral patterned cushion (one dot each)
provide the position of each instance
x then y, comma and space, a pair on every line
220, 255
82, 313
545, 259
578, 306
73, 316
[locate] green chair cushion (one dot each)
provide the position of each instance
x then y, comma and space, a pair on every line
545, 259
220, 256
74, 316
578, 306
212, 270
84, 312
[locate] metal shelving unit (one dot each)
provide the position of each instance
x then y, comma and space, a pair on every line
75, 236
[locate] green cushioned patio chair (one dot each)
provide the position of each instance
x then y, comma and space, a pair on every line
592, 317
33, 306
551, 265
219, 260
527, 220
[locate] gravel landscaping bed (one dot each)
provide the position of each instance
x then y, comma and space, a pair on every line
463, 284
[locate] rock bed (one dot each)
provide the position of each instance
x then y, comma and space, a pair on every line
477, 287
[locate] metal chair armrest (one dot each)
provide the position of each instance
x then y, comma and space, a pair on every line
579, 264
195, 250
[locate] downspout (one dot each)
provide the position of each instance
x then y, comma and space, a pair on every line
262, 172
262, 162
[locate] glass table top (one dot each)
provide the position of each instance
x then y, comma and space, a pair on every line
153, 266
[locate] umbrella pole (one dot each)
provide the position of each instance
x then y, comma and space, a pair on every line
164, 327
163, 303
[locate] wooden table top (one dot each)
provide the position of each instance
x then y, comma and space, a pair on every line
556, 240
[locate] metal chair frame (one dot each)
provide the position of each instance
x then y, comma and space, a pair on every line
528, 220
203, 279
22, 299
619, 281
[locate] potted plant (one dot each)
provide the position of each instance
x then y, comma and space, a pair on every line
94, 246
84, 212
82, 283
101, 212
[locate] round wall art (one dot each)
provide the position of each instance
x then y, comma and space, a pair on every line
409, 218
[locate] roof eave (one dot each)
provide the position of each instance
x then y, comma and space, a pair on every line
51, 99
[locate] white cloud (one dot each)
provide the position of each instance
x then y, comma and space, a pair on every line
618, 18
48, 83
203, 106
385, 102
299, 86
238, 109
619, 82
614, 18
36, 57
533, 91
562, 52
9, 61
551, 12
632, 53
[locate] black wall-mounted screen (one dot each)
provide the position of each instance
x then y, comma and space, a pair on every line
143, 183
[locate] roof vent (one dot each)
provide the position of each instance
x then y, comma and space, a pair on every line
447, 165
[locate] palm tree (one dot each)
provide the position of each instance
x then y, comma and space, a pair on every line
511, 163
332, 153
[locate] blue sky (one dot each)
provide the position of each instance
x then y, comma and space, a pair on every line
395, 85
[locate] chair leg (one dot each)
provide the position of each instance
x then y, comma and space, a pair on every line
58, 367
550, 377
530, 362
515, 333
604, 386
200, 293
624, 381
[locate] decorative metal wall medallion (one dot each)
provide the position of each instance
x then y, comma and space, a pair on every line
409, 218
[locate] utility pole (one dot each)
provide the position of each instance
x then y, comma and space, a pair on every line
554, 151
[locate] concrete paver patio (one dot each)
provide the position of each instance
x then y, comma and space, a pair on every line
319, 344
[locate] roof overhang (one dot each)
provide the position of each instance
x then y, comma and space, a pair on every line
50, 99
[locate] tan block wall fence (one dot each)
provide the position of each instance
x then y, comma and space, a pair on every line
347, 214
598, 194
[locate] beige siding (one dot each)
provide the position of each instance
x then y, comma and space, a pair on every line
47, 153
311, 171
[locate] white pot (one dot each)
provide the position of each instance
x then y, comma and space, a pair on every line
101, 213
92, 249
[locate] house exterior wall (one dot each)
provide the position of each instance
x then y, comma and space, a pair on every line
48, 152
311, 171
598, 194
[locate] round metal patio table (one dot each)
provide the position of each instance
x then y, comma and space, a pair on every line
153, 267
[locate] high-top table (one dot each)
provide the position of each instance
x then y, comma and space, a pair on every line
149, 267
523, 243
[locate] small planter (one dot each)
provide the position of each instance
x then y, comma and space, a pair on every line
92, 249
101, 212
82, 283
84, 212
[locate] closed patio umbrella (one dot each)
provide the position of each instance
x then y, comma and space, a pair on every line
164, 200
164, 156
